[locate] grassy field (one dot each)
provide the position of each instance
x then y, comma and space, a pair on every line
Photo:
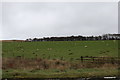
65, 49
56, 73
57, 58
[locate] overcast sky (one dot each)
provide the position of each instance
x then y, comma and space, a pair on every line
29, 20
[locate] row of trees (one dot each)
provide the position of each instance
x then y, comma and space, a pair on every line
78, 38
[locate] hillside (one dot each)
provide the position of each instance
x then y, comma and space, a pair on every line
65, 49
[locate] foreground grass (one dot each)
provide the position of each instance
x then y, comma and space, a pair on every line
55, 73
43, 68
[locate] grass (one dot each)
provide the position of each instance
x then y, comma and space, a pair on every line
54, 73
65, 52
60, 49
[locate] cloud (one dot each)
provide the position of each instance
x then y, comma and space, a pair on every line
24, 20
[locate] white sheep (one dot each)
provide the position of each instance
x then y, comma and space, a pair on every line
114, 40
86, 46
37, 49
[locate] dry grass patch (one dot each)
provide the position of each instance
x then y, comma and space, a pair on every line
39, 64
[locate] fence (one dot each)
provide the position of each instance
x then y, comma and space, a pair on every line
91, 59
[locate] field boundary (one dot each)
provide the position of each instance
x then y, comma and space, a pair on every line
113, 60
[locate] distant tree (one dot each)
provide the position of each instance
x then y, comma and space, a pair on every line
35, 39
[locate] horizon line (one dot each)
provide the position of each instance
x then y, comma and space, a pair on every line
56, 36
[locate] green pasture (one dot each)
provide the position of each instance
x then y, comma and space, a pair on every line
54, 73
60, 49
65, 50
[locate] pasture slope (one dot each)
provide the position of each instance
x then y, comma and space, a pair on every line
58, 49
64, 54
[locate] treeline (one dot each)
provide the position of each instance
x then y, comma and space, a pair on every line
78, 38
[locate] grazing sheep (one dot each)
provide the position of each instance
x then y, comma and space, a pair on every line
37, 49
49, 49
114, 40
86, 46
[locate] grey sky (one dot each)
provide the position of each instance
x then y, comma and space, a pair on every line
25, 20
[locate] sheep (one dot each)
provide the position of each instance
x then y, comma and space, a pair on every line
37, 49
49, 49
114, 40
85, 46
